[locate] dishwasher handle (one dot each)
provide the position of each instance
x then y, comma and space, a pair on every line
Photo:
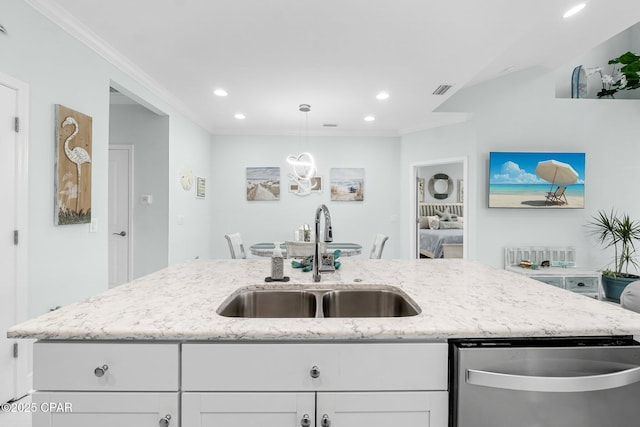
554, 384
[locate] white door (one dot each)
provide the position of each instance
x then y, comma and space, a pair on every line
383, 409
8, 250
120, 196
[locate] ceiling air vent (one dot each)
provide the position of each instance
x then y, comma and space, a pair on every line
441, 90
330, 125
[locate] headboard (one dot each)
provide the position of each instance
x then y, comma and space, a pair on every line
429, 209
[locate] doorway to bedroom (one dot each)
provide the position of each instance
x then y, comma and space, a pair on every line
439, 204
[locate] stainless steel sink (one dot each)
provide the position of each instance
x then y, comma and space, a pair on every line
368, 301
270, 303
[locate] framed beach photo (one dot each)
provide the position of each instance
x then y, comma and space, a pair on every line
263, 183
536, 180
347, 184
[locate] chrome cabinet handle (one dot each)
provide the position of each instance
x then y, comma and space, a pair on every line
122, 233
326, 421
315, 372
164, 421
305, 421
554, 384
100, 370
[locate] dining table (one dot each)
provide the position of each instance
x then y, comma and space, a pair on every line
266, 249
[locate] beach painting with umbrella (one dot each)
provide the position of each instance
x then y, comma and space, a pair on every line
536, 180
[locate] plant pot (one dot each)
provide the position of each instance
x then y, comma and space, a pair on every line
613, 286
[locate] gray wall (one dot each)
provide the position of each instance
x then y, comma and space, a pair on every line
148, 133
67, 263
276, 221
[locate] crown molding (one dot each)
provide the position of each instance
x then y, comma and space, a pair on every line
59, 16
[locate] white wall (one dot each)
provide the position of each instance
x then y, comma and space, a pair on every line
521, 113
67, 263
148, 133
276, 221
191, 148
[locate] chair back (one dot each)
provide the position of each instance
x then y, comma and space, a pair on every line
378, 246
235, 246
560, 191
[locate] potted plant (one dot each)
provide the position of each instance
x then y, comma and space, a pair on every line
625, 77
621, 232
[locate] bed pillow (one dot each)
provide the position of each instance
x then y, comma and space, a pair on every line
444, 225
445, 215
424, 222
434, 223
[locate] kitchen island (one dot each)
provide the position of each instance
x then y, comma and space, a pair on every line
458, 298
155, 351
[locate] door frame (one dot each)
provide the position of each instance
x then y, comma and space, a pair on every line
23, 373
130, 149
413, 220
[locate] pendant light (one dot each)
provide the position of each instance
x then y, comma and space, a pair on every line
303, 164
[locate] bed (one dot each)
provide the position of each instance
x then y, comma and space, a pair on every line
437, 242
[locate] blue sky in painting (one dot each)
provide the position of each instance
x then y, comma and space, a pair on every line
520, 168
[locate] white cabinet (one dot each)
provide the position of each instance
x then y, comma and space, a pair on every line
306, 384
382, 409
315, 384
106, 384
277, 409
248, 409
98, 409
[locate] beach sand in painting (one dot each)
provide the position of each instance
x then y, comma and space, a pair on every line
526, 200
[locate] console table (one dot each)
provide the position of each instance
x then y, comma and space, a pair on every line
566, 276
586, 282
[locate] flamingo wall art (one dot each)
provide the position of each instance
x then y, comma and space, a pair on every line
73, 167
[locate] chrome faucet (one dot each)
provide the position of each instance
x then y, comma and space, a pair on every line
328, 237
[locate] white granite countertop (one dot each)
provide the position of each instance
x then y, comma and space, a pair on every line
458, 298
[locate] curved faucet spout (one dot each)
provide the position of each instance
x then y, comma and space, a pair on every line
328, 237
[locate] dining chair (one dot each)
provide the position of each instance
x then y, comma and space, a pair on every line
235, 246
378, 246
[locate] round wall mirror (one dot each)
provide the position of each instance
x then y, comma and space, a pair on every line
440, 186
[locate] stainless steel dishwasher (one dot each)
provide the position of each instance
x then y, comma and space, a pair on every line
581, 382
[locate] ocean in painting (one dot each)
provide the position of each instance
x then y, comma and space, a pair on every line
535, 190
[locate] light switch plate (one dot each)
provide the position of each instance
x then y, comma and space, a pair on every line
93, 227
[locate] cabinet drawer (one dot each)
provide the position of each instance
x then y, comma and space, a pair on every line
76, 366
288, 367
582, 284
551, 280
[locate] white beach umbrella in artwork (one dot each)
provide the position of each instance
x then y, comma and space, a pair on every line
556, 172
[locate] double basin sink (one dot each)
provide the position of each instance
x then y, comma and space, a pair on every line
366, 301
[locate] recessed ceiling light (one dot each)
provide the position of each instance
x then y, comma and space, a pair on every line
575, 9
369, 118
220, 92
382, 95
240, 116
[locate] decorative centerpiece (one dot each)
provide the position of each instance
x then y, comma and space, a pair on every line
624, 77
621, 233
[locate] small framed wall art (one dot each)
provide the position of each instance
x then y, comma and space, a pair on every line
200, 187
347, 184
263, 183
